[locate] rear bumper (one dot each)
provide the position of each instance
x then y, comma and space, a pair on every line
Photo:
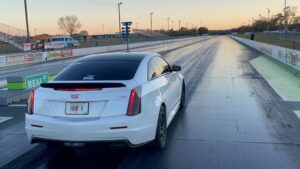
44, 128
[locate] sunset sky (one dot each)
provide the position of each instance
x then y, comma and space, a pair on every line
214, 14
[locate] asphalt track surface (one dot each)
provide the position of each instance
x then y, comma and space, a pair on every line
232, 120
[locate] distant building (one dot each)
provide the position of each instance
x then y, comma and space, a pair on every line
79, 37
41, 38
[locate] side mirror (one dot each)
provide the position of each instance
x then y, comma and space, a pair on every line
176, 68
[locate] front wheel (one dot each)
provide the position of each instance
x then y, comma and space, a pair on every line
161, 130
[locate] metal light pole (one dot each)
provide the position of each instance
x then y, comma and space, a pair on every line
268, 28
26, 17
120, 32
179, 24
151, 22
168, 20
285, 20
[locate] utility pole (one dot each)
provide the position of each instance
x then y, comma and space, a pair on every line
26, 17
120, 32
179, 25
286, 29
168, 20
268, 28
151, 14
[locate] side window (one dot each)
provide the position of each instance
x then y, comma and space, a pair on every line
151, 69
157, 67
166, 67
66, 39
61, 39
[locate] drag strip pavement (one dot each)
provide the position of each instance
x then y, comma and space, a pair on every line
232, 119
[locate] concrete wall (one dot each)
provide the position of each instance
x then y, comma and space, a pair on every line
34, 57
285, 55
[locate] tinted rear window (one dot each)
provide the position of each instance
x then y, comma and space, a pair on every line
99, 70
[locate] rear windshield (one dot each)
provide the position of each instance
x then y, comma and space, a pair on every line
99, 70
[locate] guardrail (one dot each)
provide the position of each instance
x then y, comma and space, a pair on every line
287, 56
35, 57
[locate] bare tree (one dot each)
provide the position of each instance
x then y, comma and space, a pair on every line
69, 24
291, 12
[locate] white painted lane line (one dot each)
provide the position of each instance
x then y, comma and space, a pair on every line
18, 105
3, 119
297, 113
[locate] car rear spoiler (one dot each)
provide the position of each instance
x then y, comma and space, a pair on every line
96, 86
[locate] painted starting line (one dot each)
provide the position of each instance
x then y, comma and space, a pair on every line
4, 119
18, 105
297, 112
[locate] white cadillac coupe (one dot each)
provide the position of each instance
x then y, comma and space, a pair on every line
126, 97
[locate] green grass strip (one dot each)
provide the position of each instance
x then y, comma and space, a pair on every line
16, 86
284, 80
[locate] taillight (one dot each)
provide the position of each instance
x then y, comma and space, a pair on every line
30, 107
134, 105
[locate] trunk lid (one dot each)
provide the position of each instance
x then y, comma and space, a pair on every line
94, 100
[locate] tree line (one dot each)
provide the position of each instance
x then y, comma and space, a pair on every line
274, 23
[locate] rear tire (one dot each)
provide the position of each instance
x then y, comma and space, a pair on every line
182, 99
160, 141
52, 145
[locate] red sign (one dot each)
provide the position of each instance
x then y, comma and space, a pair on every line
67, 53
27, 46
31, 57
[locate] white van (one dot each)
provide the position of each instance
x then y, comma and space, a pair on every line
67, 41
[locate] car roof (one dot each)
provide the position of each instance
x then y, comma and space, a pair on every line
61, 37
125, 56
